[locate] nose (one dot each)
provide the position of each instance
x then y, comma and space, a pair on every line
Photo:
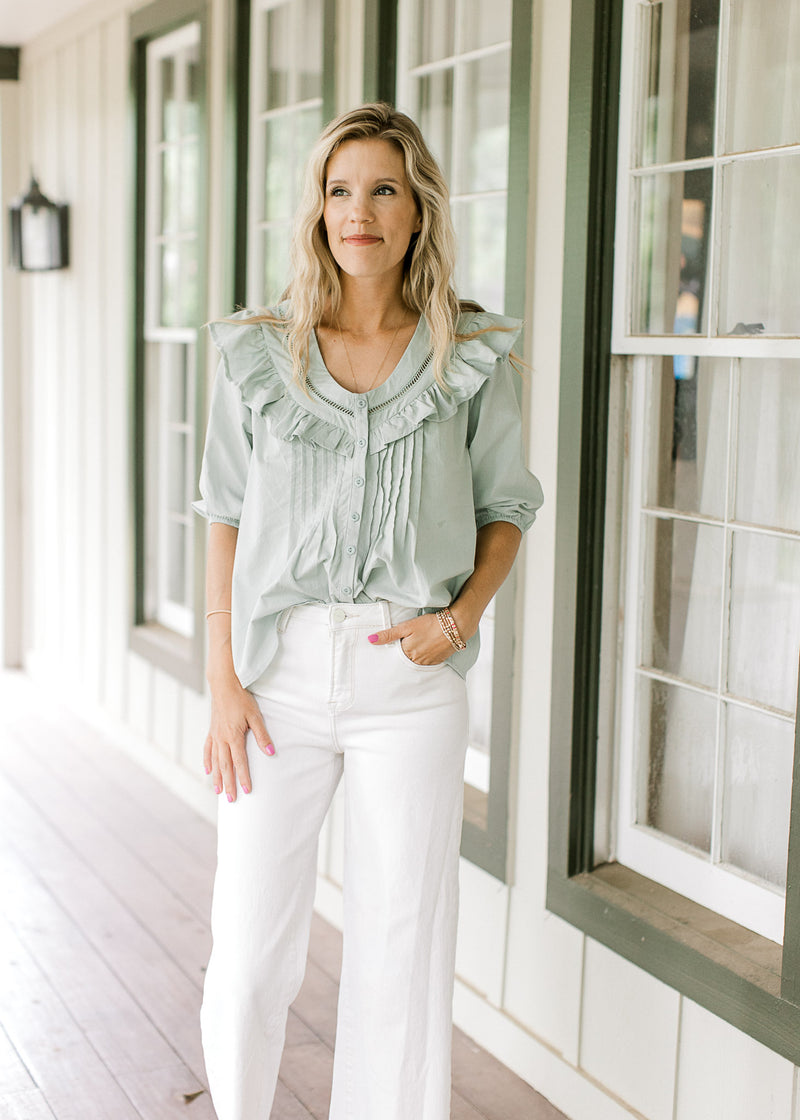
361, 210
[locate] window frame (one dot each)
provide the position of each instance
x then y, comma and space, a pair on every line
665, 938
181, 656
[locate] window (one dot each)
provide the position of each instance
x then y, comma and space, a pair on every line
684, 586
708, 171
288, 107
461, 67
170, 312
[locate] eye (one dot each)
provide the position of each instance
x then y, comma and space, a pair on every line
385, 189
337, 192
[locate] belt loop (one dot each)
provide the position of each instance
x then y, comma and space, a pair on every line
283, 619
387, 614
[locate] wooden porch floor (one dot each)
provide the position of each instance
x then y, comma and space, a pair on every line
105, 882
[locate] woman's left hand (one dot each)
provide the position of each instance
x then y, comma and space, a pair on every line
421, 640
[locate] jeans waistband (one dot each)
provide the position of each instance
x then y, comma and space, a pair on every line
344, 616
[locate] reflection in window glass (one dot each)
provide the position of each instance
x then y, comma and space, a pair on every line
767, 460
484, 23
765, 619
278, 56
679, 80
435, 116
485, 125
687, 437
760, 265
674, 232
435, 33
480, 271
764, 98
758, 788
683, 599
680, 727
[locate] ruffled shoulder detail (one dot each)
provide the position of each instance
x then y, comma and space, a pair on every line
474, 360
256, 362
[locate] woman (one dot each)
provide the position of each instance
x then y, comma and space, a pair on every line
363, 475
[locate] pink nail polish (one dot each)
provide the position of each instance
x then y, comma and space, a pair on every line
208, 769
229, 796
217, 789
246, 789
270, 749
372, 638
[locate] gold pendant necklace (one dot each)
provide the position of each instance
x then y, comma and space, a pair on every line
380, 367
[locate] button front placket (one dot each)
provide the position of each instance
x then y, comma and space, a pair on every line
349, 545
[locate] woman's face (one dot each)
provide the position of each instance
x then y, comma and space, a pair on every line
370, 213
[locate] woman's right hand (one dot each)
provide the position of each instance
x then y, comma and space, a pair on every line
234, 712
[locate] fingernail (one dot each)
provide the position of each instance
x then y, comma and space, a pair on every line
246, 789
208, 769
229, 796
372, 638
270, 748
217, 789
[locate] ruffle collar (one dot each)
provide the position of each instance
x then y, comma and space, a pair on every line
256, 360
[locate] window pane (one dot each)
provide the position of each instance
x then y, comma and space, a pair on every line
684, 565
767, 459
765, 619
190, 185
679, 76
278, 57
764, 81
170, 189
483, 133
191, 106
175, 372
170, 109
276, 261
176, 481
436, 21
170, 285
484, 22
674, 231
677, 732
760, 267
190, 292
435, 116
687, 434
279, 164
176, 561
758, 790
481, 233
310, 40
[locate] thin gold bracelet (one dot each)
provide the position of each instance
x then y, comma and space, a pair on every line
222, 610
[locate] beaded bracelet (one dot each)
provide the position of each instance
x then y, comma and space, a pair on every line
449, 628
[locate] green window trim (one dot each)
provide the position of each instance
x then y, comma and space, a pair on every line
667, 939
9, 64
181, 657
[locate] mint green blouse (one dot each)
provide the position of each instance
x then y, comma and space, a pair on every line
356, 498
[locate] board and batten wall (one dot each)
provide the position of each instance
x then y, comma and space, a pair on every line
600, 1038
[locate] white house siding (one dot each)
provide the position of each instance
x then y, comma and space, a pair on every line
602, 1039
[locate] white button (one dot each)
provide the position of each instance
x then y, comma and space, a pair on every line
362, 403
356, 516
359, 482
338, 615
362, 442
350, 550
347, 591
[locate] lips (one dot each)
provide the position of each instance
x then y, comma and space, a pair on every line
361, 239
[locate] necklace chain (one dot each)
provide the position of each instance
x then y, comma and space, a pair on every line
380, 367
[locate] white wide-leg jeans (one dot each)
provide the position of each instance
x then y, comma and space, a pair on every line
333, 704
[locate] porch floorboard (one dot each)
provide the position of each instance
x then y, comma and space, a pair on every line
106, 888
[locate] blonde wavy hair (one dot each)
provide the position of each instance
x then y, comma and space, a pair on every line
315, 286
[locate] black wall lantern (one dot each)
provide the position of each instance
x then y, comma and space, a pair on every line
39, 232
